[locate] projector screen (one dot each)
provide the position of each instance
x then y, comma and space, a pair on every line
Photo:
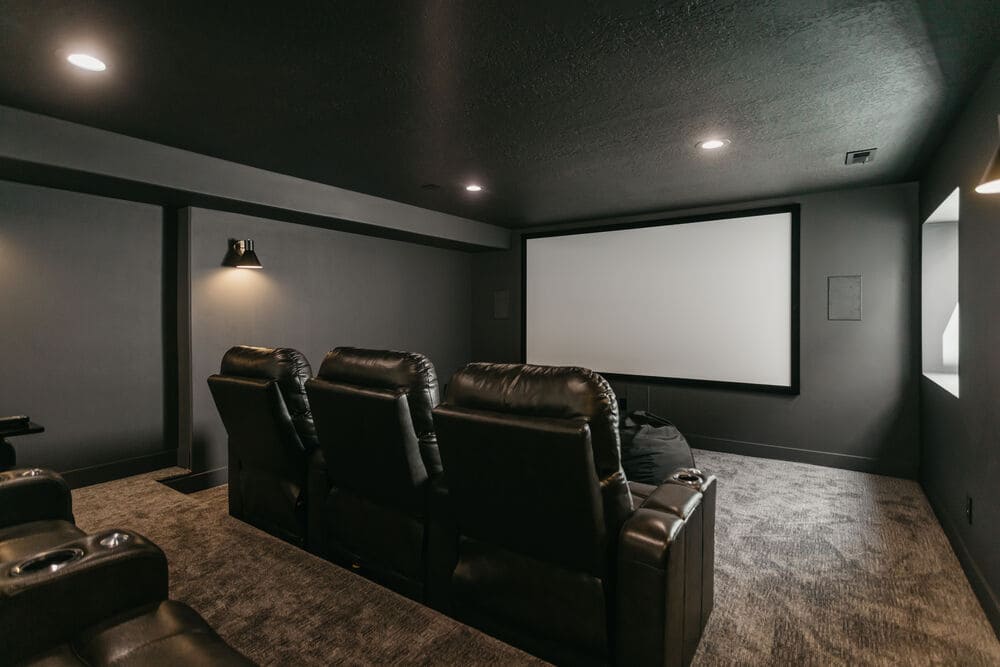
705, 300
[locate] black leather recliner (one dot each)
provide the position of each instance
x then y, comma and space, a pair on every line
68, 598
558, 553
378, 452
260, 394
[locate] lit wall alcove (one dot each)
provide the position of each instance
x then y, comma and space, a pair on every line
939, 294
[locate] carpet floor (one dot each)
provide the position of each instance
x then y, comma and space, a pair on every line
818, 566
275, 603
814, 566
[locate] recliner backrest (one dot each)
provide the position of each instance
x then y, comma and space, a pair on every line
373, 408
534, 459
288, 369
260, 395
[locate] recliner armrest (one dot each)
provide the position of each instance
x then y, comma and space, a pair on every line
665, 583
50, 597
32, 494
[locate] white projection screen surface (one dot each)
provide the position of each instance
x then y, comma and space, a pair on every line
710, 300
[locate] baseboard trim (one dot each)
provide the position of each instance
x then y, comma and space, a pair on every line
106, 472
891, 468
988, 598
193, 482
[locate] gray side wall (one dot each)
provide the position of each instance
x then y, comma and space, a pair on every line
82, 343
319, 289
858, 402
961, 436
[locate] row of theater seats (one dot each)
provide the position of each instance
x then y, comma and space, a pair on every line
505, 506
69, 598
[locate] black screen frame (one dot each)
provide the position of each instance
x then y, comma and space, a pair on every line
793, 209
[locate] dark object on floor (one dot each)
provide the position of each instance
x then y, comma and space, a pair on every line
68, 598
548, 520
652, 448
261, 397
368, 484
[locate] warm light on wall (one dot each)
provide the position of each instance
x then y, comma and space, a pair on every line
990, 182
241, 255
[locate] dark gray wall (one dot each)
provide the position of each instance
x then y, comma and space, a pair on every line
858, 402
961, 436
318, 289
82, 340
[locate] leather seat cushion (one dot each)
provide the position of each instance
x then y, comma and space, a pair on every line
640, 491
27, 539
171, 633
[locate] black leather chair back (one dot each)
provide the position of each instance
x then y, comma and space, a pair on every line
260, 395
376, 433
533, 466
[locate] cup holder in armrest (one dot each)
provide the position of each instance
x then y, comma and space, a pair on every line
49, 598
50, 561
691, 477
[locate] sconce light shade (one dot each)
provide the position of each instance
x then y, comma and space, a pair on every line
241, 255
990, 183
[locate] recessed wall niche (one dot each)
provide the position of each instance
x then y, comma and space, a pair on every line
939, 294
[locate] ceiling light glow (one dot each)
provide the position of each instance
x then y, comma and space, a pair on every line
473, 187
712, 144
87, 62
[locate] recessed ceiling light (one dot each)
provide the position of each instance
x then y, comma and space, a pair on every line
473, 187
712, 144
87, 62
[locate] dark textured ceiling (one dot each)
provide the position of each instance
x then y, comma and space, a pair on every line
564, 110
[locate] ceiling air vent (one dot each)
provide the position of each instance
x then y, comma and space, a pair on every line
860, 157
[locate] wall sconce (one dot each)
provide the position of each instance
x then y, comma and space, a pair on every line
990, 182
241, 255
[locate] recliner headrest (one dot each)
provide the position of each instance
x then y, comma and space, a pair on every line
541, 391
563, 392
388, 369
288, 368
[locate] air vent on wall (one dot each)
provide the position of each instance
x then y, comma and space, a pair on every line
860, 157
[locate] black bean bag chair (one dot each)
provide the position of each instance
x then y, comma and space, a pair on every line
652, 448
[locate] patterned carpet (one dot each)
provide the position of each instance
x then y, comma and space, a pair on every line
814, 566
817, 566
275, 603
